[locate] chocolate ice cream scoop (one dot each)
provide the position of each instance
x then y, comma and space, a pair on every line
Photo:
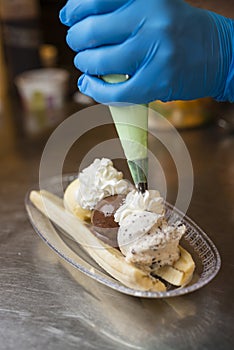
104, 225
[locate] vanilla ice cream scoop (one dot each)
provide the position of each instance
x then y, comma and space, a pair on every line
147, 240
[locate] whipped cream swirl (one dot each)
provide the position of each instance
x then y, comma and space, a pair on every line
100, 180
136, 202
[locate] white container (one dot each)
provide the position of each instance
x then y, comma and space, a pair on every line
43, 92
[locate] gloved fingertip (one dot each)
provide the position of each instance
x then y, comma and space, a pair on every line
63, 16
70, 40
80, 84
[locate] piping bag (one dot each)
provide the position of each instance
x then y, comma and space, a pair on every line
131, 122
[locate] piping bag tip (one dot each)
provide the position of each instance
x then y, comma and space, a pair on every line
142, 187
139, 169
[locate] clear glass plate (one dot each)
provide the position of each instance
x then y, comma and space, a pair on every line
200, 246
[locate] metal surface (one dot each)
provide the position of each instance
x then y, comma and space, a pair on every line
47, 304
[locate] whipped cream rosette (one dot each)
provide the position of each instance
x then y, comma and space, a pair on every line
99, 180
131, 123
136, 202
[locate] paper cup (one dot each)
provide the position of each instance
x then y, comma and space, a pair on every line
43, 93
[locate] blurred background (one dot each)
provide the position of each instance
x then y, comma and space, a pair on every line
39, 297
33, 103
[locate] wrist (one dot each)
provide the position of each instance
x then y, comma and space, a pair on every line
228, 92
224, 84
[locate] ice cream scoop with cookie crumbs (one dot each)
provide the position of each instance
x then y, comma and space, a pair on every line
144, 237
148, 241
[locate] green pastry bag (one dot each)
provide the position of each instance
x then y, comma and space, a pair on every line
131, 123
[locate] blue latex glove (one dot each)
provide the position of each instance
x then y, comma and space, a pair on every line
170, 49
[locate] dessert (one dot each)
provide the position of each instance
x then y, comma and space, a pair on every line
134, 222
127, 235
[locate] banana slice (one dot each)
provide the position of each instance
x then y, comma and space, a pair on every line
110, 259
70, 202
181, 272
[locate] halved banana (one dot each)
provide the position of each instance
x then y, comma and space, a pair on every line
110, 259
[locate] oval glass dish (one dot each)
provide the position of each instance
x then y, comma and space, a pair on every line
199, 245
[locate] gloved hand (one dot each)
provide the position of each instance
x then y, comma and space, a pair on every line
170, 49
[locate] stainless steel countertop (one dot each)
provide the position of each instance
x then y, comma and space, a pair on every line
47, 304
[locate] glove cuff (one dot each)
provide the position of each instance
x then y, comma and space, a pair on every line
226, 33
